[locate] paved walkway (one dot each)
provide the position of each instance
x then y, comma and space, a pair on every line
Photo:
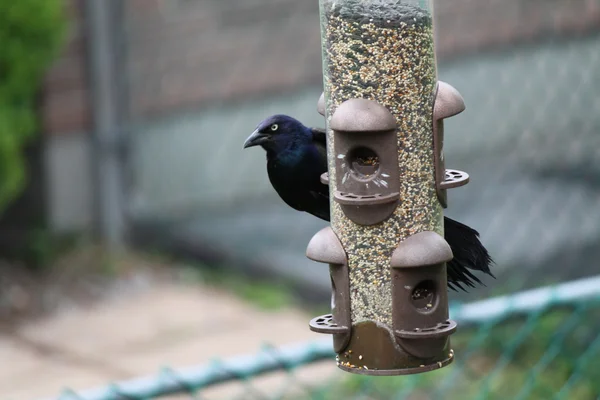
170, 325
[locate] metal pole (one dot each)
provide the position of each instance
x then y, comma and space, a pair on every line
107, 137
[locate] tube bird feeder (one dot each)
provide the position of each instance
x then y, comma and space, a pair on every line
385, 247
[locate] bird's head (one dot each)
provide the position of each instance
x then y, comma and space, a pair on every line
277, 133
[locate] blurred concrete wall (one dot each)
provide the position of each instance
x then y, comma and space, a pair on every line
66, 119
184, 54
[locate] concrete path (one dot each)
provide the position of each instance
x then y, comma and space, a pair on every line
171, 325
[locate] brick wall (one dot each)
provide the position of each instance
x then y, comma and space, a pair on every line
65, 107
186, 52
190, 51
465, 26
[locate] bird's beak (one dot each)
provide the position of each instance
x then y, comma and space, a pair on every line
255, 139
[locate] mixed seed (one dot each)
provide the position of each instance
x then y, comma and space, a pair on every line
383, 51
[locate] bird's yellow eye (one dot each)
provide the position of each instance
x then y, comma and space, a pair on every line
274, 127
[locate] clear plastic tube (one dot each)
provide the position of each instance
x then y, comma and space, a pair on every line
383, 50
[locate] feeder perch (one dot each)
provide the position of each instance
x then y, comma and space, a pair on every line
448, 103
420, 295
325, 247
366, 157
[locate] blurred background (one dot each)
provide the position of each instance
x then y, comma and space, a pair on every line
124, 183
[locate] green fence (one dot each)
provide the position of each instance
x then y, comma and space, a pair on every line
538, 344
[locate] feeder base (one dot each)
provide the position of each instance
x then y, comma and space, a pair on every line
401, 371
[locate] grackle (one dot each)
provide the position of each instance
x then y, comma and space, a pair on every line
296, 158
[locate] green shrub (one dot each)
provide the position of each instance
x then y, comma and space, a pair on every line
31, 32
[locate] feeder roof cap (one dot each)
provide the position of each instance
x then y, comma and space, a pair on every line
420, 250
362, 115
325, 247
321, 105
448, 101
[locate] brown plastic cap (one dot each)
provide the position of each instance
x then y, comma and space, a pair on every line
321, 104
325, 247
362, 115
448, 102
421, 249
325, 178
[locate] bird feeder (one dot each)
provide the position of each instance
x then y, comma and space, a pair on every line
385, 247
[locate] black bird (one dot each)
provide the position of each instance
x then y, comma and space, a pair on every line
296, 158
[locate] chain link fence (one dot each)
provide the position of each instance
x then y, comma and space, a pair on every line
539, 344
202, 74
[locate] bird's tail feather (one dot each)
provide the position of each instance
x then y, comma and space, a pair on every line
469, 255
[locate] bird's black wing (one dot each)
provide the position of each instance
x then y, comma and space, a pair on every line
320, 141
319, 135
320, 191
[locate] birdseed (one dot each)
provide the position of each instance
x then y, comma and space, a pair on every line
383, 51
